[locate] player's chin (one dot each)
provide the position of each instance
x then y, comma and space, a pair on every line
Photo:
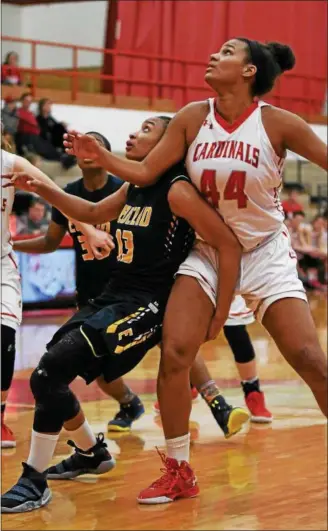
210, 77
85, 164
131, 154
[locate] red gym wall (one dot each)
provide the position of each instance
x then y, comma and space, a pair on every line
192, 30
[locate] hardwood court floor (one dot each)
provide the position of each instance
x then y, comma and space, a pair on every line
267, 477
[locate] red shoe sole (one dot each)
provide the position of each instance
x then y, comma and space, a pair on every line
192, 493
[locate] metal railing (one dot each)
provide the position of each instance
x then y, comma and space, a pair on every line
309, 103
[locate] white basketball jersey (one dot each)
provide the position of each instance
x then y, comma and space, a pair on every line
237, 170
7, 200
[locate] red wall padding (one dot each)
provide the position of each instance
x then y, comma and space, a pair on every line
192, 30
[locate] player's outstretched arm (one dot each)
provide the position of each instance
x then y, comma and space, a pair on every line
47, 243
297, 136
186, 202
169, 150
71, 206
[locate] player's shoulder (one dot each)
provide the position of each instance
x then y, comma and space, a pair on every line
193, 110
175, 174
74, 187
279, 116
114, 183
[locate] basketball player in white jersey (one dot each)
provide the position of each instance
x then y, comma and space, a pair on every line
11, 300
237, 336
235, 148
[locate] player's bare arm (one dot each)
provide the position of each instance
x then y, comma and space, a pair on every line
47, 243
293, 133
72, 207
186, 203
170, 149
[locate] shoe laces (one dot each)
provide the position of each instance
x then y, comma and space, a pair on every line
99, 444
170, 473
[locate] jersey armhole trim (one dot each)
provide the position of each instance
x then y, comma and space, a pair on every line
278, 161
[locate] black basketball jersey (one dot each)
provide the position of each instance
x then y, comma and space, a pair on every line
151, 241
91, 275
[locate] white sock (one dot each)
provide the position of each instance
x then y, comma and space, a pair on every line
178, 448
83, 437
251, 380
41, 451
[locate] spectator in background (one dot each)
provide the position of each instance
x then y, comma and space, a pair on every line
8, 141
35, 221
9, 116
10, 71
292, 204
50, 129
311, 254
28, 136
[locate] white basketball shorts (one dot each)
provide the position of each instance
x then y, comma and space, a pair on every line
239, 313
267, 274
11, 297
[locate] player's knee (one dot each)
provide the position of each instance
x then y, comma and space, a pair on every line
310, 362
40, 383
176, 356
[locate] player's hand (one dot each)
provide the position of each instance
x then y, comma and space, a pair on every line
21, 181
216, 324
82, 146
101, 244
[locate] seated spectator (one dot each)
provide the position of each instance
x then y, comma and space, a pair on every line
9, 116
8, 141
292, 204
50, 129
305, 242
10, 71
298, 233
28, 136
35, 221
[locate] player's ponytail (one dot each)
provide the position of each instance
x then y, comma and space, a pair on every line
271, 60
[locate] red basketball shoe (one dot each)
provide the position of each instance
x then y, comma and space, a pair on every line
256, 405
178, 481
7, 437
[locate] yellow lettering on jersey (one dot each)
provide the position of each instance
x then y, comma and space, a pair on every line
136, 211
145, 217
123, 214
125, 246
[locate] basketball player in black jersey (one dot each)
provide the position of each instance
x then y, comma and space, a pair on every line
113, 333
92, 274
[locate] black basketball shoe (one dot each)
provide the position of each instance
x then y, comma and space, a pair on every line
230, 419
96, 460
30, 492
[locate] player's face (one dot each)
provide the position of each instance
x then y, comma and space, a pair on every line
229, 65
86, 164
142, 142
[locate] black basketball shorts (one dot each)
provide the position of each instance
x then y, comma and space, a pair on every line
119, 334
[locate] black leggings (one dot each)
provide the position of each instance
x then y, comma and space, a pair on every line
64, 361
240, 343
8, 341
